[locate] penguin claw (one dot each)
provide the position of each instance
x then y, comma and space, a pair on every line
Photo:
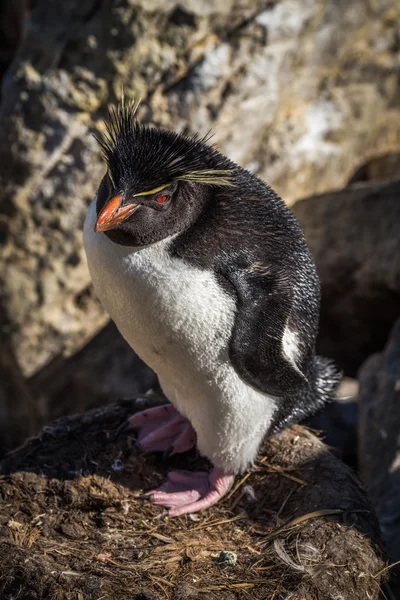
187, 492
136, 449
168, 452
145, 496
120, 430
161, 429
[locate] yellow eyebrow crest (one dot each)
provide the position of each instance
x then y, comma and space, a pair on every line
150, 192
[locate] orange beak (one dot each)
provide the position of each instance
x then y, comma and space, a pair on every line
112, 214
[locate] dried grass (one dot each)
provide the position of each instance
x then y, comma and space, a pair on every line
73, 527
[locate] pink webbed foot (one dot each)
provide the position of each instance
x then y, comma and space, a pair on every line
163, 429
186, 492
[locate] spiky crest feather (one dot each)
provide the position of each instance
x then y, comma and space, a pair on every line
150, 156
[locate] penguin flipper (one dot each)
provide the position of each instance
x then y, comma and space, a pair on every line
257, 347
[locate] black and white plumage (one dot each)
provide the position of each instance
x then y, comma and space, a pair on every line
208, 277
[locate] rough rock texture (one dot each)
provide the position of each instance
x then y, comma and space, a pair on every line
354, 236
19, 411
12, 18
379, 438
378, 168
338, 422
73, 525
300, 91
105, 370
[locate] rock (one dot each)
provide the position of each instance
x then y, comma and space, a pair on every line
379, 435
74, 525
105, 370
12, 18
354, 237
378, 168
19, 415
299, 91
338, 422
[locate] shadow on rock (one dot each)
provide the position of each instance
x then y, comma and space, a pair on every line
354, 238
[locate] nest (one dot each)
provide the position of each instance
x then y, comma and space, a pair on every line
74, 524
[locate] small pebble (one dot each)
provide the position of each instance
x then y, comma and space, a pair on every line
249, 492
226, 558
117, 465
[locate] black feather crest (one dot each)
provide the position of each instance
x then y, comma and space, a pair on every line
148, 156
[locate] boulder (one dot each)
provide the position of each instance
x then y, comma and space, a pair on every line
19, 411
104, 371
337, 422
299, 91
354, 237
378, 168
13, 14
74, 524
379, 438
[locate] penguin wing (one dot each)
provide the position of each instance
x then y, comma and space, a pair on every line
263, 349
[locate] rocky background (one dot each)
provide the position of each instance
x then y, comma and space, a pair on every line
305, 93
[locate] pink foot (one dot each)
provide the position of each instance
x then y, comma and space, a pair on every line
186, 492
163, 429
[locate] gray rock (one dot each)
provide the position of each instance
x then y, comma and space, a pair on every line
19, 415
12, 17
299, 91
379, 435
354, 236
106, 369
378, 168
337, 422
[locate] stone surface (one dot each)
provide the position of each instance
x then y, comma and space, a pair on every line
354, 236
12, 17
379, 438
105, 370
74, 524
19, 415
378, 168
337, 422
300, 91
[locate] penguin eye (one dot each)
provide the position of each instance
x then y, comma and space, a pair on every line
162, 199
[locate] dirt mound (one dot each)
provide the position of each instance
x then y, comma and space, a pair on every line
73, 524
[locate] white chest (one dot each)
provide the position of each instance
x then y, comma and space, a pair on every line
168, 311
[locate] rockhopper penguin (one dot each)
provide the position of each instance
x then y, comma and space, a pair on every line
207, 275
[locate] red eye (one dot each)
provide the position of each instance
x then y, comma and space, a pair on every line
161, 199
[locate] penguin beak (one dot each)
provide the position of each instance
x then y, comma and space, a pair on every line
112, 214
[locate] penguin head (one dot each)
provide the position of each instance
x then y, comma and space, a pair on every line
157, 182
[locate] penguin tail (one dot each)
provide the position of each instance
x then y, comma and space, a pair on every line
327, 379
